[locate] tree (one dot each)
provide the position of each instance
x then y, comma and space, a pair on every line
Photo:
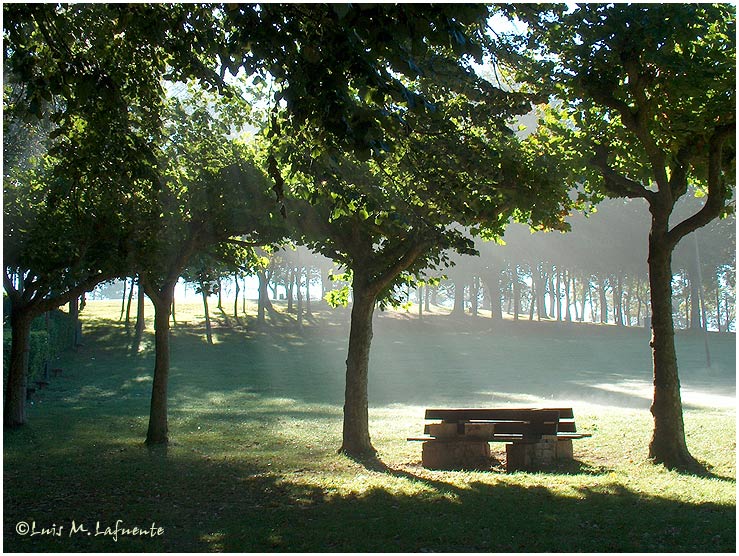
210, 192
651, 90
388, 220
66, 215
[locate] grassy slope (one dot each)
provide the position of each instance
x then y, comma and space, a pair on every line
256, 420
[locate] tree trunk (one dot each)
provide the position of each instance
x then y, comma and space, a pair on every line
419, 293
534, 300
140, 322
128, 305
458, 309
263, 304
174, 313
236, 296
123, 301
568, 299
550, 284
220, 295
557, 294
308, 310
474, 292
574, 298
496, 308
603, 302
516, 293
701, 301
668, 444
14, 414
427, 300
356, 439
299, 295
289, 290
208, 332
618, 301
718, 306
158, 428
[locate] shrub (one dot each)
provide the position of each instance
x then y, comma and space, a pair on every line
47, 341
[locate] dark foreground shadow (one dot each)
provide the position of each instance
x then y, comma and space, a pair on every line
206, 504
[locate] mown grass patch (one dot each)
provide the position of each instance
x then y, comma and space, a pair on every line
256, 420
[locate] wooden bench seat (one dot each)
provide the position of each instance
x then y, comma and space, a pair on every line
533, 436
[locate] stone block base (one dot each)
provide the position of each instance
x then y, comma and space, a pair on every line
456, 454
533, 455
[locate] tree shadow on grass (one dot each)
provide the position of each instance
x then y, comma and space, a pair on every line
207, 504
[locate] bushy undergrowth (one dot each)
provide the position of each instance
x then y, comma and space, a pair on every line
50, 336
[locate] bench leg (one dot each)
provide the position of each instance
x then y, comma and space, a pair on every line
524, 456
564, 449
456, 454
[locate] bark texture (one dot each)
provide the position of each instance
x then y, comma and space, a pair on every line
14, 413
668, 444
356, 438
158, 425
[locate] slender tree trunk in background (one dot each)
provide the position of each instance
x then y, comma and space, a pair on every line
174, 314
496, 308
128, 305
668, 444
535, 298
299, 295
264, 304
140, 317
158, 432
718, 306
474, 293
289, 290
427, 299
243, 299
435, 296
558, 293
540, 288
220, 294
727, 313
618, 301
585, 290
603, 301
419, 297
308, 310
568, 299
701, 301
236, 295
14, 413
516, 293
627, 303
593, 303
123, 301
573, 294
550, 284
356, 439
638, 303
208, 331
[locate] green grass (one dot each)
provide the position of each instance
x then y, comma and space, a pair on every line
256, 420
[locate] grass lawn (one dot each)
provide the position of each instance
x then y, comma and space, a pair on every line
255, 421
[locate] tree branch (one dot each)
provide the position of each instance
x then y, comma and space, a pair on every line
616, 183
716, 200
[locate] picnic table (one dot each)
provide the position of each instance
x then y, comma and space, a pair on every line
534, 437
